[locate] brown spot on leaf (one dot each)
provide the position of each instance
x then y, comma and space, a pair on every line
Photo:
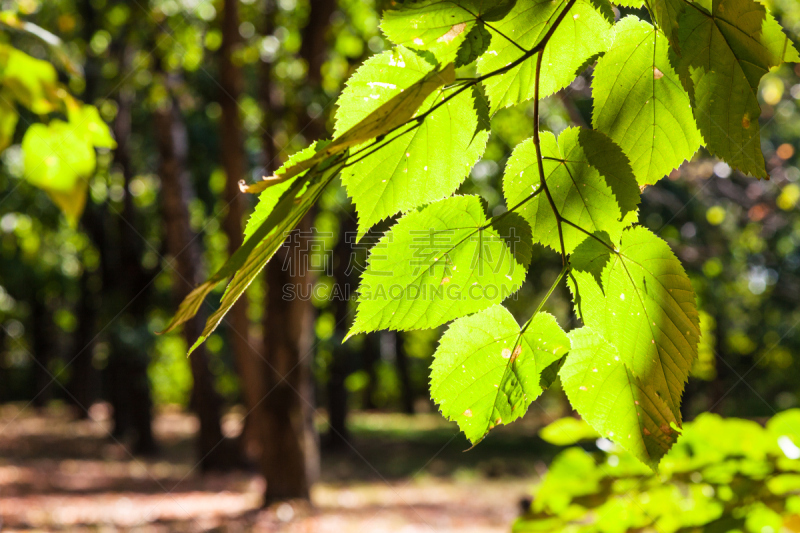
468, 413
657, 74
746, 121
454, 32
646, 431
506, 353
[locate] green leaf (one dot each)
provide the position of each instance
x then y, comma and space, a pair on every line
777, 42
614, 401
566, 431
56, 156
268, 199
644, 306
246, 263
33, 82
513, 229
589, 178
8, 120
59, 160
723, 59
786, 425
419, 163
372, 110
582, 34
572, 474
433, 266
437, 26
666, 14
640, 104
86, 121
476, 43
487, 371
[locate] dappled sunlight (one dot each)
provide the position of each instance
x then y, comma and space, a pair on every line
60, 473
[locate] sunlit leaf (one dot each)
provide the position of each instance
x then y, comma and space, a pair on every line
613, 400
583, 33
420, 162
31, 81
640, 102
567, 430
438, 26
487, 371
590, 181
644, 306
435, 265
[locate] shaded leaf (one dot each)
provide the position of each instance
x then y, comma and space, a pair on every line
8, 121
645, 308
666, 15
722, 61
475, 44
614, 401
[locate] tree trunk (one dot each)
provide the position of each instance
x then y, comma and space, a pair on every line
135, 281
290, 459
249, 362
401, 361
42, 351
341, 366
82, 385
370, 356
182, 245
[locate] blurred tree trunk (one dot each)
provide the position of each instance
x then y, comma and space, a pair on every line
182, 245
248, 360
401, 361
290, 460
135, 281
82, 385
370, 355
342, 363
291, 455
42, 346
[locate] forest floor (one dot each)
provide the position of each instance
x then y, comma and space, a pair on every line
400, 474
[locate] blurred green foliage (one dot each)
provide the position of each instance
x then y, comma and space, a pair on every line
722, 475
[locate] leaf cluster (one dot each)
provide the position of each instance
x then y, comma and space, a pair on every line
722, 475
412, 122
59, 155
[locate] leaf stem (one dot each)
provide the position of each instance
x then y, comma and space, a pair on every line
536, 139
539, 160
474, 81
563, 272
592, 235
